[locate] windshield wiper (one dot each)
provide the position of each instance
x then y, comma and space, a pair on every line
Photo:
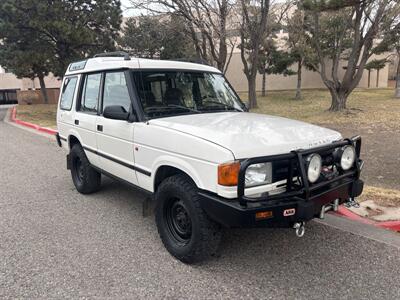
184, 107
223, 104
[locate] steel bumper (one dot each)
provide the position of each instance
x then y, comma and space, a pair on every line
230, 213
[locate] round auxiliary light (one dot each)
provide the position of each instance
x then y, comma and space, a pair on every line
348, 157
314, 166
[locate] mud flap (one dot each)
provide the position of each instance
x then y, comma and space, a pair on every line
68, 162
356, 188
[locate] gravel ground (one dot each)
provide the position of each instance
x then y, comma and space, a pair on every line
57, 243
380, 149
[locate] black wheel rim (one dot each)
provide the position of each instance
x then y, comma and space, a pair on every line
178, 221
79, 169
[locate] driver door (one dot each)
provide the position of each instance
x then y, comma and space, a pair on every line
115, 137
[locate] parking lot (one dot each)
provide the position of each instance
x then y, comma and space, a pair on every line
57, 243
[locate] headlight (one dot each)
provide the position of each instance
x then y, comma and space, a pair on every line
348, 157
314, 167
258, 174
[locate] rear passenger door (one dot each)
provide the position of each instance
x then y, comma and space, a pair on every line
115, 137
85, 118
65, 113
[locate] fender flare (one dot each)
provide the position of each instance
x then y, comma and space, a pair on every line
178, 163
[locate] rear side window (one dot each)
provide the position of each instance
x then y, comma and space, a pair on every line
90, 93
116, 91
68, 92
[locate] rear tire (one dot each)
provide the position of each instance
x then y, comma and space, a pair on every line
184, 228
86, 179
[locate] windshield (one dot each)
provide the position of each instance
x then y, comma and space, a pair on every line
166, 93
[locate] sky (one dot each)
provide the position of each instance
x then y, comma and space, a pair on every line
124, 4
128, 12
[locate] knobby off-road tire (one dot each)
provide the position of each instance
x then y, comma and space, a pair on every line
185, 229
86, 179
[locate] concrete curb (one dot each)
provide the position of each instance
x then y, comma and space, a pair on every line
14, 119
346, 213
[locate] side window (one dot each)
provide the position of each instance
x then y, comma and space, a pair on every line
90, 93
68, 92
116, 91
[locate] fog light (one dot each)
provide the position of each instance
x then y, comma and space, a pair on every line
314, 165
348, 157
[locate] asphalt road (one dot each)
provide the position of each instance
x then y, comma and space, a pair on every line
56, 243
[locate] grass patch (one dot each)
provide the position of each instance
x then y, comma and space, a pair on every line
40, 114
365, 107
383, 197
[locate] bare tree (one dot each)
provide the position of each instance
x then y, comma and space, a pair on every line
391, 42
208, 25
252, 32
299, 46
347, 30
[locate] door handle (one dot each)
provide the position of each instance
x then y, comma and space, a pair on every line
99, 127
76, 122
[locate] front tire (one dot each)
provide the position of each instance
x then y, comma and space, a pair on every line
184, 228
86, 179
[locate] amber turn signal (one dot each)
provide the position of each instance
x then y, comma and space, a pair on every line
261, 215
228, 173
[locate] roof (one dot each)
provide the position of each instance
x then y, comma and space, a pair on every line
112, 63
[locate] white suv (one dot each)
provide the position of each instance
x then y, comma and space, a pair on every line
179, 132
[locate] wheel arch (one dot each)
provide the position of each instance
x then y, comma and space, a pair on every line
168, 169
73, 138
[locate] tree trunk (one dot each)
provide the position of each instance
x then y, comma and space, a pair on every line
43, 89
397, 92
264, 83
252, 94
298, 89
377, 78
369, 78
339, 100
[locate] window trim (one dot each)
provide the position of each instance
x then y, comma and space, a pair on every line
73, 95
101, 107
144, 70
78, 107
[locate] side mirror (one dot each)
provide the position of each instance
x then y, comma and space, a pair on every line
246, 106
116, 112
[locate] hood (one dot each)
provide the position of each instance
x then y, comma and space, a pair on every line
249, 134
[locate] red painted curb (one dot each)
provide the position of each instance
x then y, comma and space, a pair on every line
47, 130
30, 125
343, 211
26, 124
13, 113
391, 225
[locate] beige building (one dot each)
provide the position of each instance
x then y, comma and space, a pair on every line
26, 90
310, 79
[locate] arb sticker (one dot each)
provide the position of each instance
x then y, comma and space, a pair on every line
289, 212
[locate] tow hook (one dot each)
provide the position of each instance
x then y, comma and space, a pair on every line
325, 208
300, 228
352, 202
